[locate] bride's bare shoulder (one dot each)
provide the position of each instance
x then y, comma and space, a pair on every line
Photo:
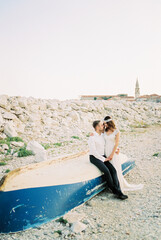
117, 131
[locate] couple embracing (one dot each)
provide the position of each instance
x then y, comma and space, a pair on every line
105, 155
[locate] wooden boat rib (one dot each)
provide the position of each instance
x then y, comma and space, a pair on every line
39, 192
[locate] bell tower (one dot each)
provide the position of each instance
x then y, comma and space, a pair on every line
137, 89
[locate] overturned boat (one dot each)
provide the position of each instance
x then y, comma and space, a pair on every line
40, 192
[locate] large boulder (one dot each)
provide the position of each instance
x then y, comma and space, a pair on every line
38, 150
9, 130
78, 227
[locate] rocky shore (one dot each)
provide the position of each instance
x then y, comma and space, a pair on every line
62, 128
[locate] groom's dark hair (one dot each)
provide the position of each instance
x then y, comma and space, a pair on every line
95, 123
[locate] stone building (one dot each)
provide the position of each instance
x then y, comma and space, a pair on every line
124, 96
137, 89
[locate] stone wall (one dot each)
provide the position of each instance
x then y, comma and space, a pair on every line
50, 120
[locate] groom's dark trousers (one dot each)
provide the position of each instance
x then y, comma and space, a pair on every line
110, 174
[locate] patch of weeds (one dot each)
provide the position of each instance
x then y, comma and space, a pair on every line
5, 142
57, 144
10, 139
122, 130
62, 220
23, 152
46, 145
2, 141
2, 163
155, 154
15, 139
7, 170
88, 135
75, 137
8, 151
7, 158
140, 125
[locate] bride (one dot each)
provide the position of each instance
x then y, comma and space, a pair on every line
111, 135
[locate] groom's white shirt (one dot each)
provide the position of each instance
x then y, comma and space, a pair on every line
97, 146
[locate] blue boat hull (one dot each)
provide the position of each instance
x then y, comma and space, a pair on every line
26, 208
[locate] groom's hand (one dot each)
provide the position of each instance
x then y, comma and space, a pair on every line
107, 159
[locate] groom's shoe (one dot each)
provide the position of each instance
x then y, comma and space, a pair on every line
122, 196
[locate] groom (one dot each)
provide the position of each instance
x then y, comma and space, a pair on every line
96, 151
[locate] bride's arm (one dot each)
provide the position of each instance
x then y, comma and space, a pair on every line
116, 145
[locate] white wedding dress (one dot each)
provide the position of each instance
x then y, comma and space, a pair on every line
116, 162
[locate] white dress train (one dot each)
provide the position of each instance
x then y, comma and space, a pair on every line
116, 162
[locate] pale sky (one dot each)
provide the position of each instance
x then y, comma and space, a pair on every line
65, 48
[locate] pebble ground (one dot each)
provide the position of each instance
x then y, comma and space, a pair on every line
107, 218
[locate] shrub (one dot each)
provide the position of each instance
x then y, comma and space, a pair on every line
10, 139
8, 151
155, 154
75, 137
23, 152
46, 146
2, 163
57, 144
15, 139
59, 232
62, 220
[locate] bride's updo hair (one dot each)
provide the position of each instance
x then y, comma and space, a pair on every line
110, 125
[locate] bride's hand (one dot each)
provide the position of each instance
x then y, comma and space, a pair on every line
117, 151
91, 134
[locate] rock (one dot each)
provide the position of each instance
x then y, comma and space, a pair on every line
38, 150
41, 156
3, 101
18, 110
72, 217
23, 118
52, 105
1, 120
9, 130
2, 136
17, 144
159, 155
9, 116
34, 146
34, 117
15, 154
91, 203
5, 147
78, 227
56, 235
75, 116
22, 102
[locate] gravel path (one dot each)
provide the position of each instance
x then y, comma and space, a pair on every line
105, 217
